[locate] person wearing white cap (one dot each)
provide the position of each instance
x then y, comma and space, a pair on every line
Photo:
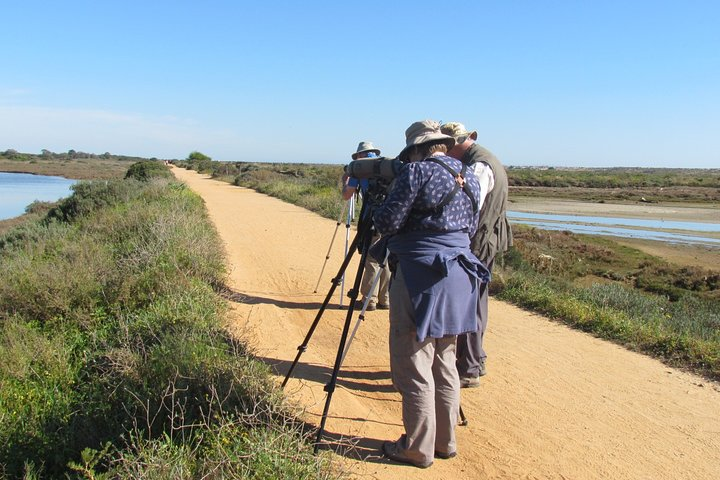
426, 221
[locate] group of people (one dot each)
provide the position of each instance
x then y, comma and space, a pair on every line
442, 222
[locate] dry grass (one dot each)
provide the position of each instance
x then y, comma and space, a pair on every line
79, 168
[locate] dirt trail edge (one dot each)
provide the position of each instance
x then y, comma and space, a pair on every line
556, 403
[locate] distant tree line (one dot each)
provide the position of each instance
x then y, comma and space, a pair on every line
618, 177
12, 154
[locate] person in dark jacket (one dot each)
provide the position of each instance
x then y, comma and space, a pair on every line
493, 235
426, 222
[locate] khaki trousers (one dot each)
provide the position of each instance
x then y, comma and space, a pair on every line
470, 352
372, 267
425, 375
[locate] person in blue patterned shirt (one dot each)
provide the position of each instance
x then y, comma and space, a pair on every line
427, 221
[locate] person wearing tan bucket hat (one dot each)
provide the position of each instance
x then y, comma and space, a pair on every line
366, 150
493, 236
378, 297
350, 184
426, 221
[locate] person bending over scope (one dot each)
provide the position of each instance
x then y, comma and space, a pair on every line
427, 221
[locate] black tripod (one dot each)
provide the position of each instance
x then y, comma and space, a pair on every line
363, 240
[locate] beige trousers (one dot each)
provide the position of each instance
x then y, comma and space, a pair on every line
425, 375
380, 294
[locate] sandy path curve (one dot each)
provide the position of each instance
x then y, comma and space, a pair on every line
556, 403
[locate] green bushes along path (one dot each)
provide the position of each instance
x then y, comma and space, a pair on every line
113, 362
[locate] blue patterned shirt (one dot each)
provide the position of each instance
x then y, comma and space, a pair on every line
419, 187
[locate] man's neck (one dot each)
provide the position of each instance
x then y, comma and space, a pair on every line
458, 151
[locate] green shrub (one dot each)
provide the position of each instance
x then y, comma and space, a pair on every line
29, 235
683, 333
90, 196
38, 395
147, 170
58, 278
231, 450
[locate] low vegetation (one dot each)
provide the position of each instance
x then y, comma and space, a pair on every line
311, 186
593, 283
72, 164
614, 177
113, 359
647, 185
618, 293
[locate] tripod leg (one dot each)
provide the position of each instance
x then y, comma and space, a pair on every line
361, 318
330, 387
350, 216
332, 241
463, 420
301, 348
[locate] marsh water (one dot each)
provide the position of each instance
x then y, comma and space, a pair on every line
667, 231
18, 190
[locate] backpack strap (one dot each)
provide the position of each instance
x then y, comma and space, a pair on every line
459, 183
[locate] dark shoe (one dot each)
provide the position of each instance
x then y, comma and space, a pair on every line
383, 306
445, 456
483, 372
359, 304
391, 451
469, 382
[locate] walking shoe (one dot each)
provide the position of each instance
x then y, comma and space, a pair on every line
469, 382
392, 451
383, 306
445, 456
370, 307
483, 372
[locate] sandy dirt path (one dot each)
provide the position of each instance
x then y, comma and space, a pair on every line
556, 403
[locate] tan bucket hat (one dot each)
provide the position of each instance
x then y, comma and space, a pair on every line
423, 132
458, 131
365, 147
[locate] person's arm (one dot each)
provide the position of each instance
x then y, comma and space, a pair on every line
486, 178
394, 211
350, 186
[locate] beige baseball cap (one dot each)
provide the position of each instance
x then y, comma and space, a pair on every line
458, 131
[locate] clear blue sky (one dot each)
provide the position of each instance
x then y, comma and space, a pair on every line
562, 83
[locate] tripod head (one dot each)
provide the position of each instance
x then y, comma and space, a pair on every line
373, 196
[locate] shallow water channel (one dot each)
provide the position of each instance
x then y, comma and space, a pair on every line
697, 233
18, 190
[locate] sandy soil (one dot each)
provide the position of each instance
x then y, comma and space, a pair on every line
679, 254
556, 403
681, 213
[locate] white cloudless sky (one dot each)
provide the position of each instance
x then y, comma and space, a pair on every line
561, 83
